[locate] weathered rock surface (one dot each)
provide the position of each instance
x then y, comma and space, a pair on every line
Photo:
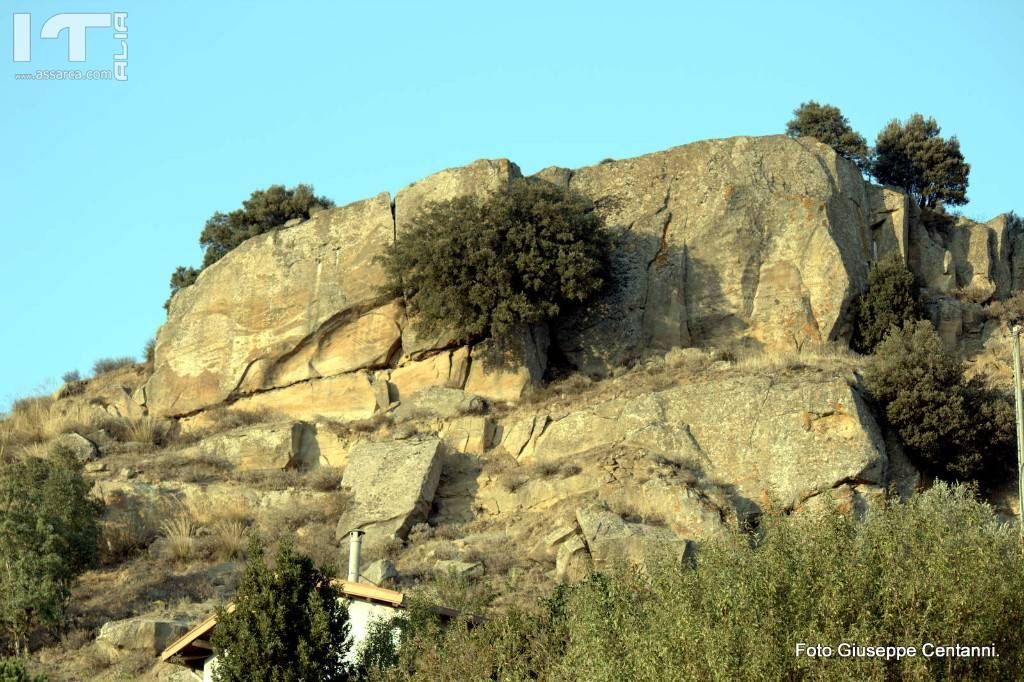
610, 539
83, 449
767, 238
573, 562
509, 378
393, 484
438, 402
287, 306
150, 635
479, 179
345, 397
472, 434
787, 438
285, 445
381, 572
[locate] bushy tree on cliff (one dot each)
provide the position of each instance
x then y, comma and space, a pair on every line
951, 427
483, 267
827, 124
889, 301
287, 625
261, 212
913, 156
48, 536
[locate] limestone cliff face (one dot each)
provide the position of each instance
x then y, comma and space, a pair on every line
763, 240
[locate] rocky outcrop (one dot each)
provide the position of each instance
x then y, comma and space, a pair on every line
291, 306
611, 540
764, 439
285, 445
393, 484
150, 635
78, 446
763, 238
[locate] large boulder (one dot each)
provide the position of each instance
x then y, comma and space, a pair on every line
150, 635
284, 307
766, 237
284, 445
611, 540
768, 439
392, 485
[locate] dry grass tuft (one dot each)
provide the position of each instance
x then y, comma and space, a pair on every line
179, 534
39, 419
324, 479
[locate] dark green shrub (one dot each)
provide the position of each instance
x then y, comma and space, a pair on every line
913, 156
48, 536
889, 301
182, 277
827, 124
950, 427
71, 377
937, 569
484, 267
264, 210
261, 212
13, 670
149, 352
288, 623
104, 365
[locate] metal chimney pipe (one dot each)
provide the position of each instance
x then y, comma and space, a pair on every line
355, 541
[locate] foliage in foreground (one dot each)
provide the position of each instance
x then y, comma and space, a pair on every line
950, 427
937, 569
13, 670
484, 267
288, 624
48, 536
827, 124
889, 302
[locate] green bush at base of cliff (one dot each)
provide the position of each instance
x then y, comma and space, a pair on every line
938, 569
484, 267
889, 302
950, 427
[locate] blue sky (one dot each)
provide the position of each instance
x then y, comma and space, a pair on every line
107, 184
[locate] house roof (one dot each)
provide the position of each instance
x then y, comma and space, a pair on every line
194, 646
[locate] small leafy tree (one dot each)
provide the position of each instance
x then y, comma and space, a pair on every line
483, 267
288, 623
261, 212
889, 301
264, 210
48, 536
950, 426
913, 156
827, 124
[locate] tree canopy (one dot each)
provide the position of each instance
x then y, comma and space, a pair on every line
827, 124
264, 210
913, 155
483, 267
48, 536
288, 624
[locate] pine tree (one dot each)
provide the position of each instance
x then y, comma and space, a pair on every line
288, 623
